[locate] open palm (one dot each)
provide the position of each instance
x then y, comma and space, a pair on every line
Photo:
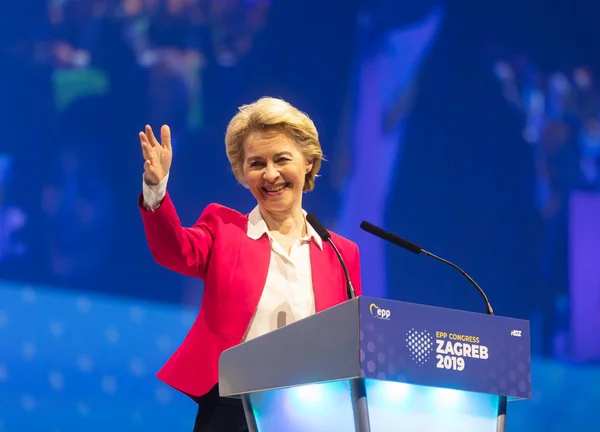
158, 156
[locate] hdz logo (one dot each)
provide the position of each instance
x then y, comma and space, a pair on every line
516, 333
420, 345
379, 313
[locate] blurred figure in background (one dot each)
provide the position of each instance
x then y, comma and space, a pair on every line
175, 56
588, 101
75, 62
561, 123
27, 93
79, 223
13, 222
393, 45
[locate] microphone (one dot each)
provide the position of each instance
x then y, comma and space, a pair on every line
325, 236
281, 319
416, 249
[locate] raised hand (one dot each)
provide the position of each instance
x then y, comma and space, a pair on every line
158, 156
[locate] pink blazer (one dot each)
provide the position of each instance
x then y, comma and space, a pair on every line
234, 268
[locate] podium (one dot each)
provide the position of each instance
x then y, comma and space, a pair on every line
372, 364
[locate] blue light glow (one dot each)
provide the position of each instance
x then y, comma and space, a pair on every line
319, 407
392, 406
404, 407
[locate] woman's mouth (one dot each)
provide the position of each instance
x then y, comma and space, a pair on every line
275, 189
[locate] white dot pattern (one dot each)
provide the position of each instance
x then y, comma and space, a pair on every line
29, 350
3, 373
84, 305
28, 294
3, 318
137, 367
109, 385
57, 380
164, 395
420, 345
136, 314
85, 363
83, 409
74, 362
28, 402
112, 335
57, 329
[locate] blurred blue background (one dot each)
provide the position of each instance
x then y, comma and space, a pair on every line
471, 129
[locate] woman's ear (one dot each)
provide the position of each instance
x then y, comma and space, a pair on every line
309, 165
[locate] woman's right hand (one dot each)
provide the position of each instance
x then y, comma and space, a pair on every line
158, 156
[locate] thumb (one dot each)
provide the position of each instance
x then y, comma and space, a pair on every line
165, 137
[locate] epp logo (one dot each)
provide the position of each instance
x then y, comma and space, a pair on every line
516, 333
379, 313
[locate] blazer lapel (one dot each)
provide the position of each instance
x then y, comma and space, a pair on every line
250, 276
257, 270
325, 277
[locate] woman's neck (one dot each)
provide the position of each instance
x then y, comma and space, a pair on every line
292, 222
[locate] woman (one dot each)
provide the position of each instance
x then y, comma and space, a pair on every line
257, 268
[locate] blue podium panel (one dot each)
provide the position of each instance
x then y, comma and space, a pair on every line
392, 406
433, 346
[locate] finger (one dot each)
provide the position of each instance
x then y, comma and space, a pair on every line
147, 151
144, 138
153, 141
165, 136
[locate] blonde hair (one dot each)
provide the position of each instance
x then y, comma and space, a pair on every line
266, 114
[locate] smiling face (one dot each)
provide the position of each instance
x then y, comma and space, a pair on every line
275, 171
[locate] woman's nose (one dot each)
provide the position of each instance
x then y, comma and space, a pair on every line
271, 173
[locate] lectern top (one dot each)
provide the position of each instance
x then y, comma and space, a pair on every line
386, 340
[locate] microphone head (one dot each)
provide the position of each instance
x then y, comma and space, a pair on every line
281, 319
392, 238
320, 229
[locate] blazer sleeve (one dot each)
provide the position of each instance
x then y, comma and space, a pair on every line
183, 250
354, 271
